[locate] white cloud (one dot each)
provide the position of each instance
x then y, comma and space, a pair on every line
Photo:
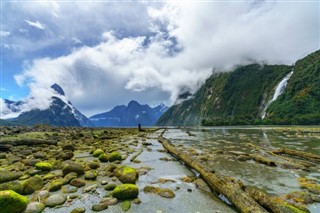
4, 33
188, 40
36, 24
3, 89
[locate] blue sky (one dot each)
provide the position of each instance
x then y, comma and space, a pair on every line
105, 53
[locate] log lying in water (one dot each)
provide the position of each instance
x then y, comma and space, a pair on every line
231, 190
28, 142
136, 155
300, 154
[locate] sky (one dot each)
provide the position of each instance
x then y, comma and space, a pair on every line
106, 53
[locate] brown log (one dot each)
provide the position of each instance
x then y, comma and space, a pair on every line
136, 155
231, 190
300, 154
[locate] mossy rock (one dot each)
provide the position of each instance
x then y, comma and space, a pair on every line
77, 182
12, 202
125, 205
73, 167
12, 185
126, 174
34, 207
98, 152
32, 184
104, 157
126, 191
44, 166
110, 186
163, 192
48, 176
55, 185
115, 156
91, 175
93, 165
70, 176
6, 176
111, 167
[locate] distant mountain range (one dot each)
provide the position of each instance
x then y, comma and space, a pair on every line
61, 112
130, 115
254, 94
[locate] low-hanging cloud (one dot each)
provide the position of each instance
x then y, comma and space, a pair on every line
183, 43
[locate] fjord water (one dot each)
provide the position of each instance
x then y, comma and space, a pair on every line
272, 180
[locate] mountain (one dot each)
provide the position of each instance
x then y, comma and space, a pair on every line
130, 115
60, 113
247, 94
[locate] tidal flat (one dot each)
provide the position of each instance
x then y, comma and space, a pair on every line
54, 169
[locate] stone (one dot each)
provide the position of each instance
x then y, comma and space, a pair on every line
77, 182
68, 147
126, 174
12, 202
43, 166
104, 157
34, 207
125, 205
93, 165
115, 156
73, 167
55, 185
32, 184
39, 155
69, 189
90, 188
110, 201
110, 186
12, 185
48, 176
98, 152
90, 175
163, 192
55, 200
126, 191
70, 176
65, 155
99, 207
6, 176
78, 210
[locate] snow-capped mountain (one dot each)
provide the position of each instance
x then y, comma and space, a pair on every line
130, 115
60, 112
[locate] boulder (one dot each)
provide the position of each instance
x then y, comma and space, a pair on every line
73, 167
126, 174
56, 199
32, 184
44, 166
12, 185
115, 156
6, 176
104, 157
125, 191
98, 152
77, 182
12, 202
91, 175
34, 207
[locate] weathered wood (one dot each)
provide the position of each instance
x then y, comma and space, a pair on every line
28, 142
136, 155
231, 190
300, 154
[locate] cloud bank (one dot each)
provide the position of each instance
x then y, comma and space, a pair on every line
175, 51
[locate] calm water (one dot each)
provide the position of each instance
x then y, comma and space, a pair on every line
273, 180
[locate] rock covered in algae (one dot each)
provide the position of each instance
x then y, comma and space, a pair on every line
32, 184
12, 202
163, 192
44, 166
115, 156
126, 191
126, 174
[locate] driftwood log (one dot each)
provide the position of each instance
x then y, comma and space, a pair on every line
231, 190
300, 154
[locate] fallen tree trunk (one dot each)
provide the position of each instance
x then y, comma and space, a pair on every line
231, 190
28, 142
300, 154
136, 155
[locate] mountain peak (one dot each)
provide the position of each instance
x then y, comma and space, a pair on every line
132, 103
58, 89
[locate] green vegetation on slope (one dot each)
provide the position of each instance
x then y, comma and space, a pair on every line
232, 98
300, 103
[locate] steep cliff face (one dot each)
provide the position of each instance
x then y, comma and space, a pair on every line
300, 102
247, 94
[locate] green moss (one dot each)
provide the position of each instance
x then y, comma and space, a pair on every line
125, 191
98, 152
126, 174
32, 184
104, 157
91, 175
55, 185
125, 205
115, 156
44, 166
291, 209
12, 202
12, 185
